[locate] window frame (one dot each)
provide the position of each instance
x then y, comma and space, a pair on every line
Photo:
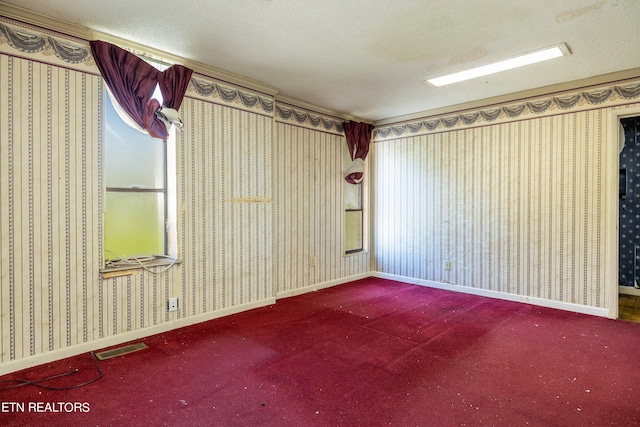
111, 267
164, 191
364, 203
362, 220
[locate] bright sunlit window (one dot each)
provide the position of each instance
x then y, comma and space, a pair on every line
140, 179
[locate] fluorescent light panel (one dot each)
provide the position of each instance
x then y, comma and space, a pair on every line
508, 64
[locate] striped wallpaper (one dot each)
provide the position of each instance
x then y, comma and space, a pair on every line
257, 199
309, 188
517, 207
517, 202
49, 216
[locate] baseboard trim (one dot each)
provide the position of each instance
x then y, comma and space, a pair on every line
323, 285
17, 365
63, 353
628, 290
577, 308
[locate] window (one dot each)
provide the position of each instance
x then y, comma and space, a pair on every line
140, 205
353, 215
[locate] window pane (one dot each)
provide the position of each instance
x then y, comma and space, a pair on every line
353, 231
133, 159
134, 224
353, 196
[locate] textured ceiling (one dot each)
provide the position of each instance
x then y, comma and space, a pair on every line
369, 58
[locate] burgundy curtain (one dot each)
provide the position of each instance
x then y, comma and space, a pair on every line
358, 139
132, 81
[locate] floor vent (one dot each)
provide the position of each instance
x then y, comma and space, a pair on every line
108, 354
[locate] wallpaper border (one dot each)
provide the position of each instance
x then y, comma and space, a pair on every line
287, 113
45, 46
209, 89
594, 97
71, 52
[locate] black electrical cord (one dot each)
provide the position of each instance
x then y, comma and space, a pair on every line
37, 383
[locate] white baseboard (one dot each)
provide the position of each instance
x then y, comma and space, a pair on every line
628, 290
63, 353
577, 308
323, 285
75, 350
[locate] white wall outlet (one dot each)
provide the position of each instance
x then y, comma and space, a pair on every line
312, 261
447, 265
172, 304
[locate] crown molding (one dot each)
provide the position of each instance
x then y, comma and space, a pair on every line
28, 17
290, 100
25, 16
31, 18
557, 89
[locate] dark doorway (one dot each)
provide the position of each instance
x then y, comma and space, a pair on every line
629, 221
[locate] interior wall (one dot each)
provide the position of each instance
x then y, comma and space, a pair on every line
50, 222
515, 197
309, 188
235, 253
53, 295
225, 206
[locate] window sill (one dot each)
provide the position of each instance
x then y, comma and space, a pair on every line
127, 267
356, 253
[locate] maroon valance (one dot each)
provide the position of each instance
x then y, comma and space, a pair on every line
132, 81
358, 140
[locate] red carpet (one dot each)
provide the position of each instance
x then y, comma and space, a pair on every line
368, 353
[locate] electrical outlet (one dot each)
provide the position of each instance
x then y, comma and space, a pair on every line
312, 261
447, 265
172, 304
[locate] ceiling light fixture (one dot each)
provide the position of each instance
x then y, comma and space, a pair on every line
519, 61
